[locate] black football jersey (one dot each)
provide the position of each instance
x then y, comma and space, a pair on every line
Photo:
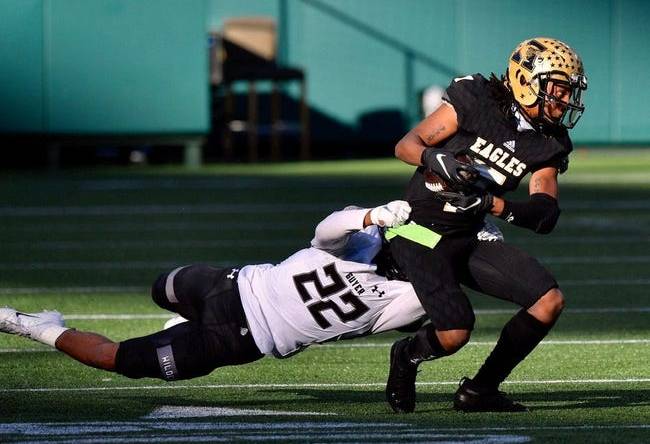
488, 135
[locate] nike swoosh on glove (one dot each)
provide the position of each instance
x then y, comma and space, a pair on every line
445, 165
391, 214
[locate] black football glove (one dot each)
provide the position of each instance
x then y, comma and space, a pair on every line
473, 204
442, 162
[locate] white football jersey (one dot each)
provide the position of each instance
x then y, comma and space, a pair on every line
327, 292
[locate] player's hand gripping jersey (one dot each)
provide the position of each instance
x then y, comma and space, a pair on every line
325, 292
503, 143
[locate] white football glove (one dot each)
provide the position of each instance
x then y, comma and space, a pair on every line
391, 214
489, 233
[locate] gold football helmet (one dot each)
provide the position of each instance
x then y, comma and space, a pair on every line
535, 63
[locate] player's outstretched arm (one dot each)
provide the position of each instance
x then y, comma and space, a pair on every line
333, 231
48, 327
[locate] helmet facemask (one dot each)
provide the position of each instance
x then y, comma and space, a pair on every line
573, 109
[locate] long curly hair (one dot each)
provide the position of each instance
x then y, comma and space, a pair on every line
501, 94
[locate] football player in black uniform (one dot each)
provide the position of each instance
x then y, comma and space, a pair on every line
485, 137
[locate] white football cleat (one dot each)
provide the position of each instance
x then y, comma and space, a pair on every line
29, 325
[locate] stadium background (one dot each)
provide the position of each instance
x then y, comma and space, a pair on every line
141, 67
90, 236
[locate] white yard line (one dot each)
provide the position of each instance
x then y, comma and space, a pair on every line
625, 259
146, 432
85, 245
159, 265
586, 310
569, 240
128, 316
254, 208
310, 385
117, 316
64, 245
178, 411
284, 430
492, 343
480, 312
27, 427
8, 291
604, 282
179, 209
148, 226
348, 344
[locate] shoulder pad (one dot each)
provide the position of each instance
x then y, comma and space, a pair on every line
465, 94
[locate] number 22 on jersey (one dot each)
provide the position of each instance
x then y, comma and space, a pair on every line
317, 306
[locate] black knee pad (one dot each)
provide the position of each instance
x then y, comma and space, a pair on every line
177, 353
186, 285
159, 293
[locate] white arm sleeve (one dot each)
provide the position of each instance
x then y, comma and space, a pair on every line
333, 231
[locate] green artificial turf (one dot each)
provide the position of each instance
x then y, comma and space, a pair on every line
89, 243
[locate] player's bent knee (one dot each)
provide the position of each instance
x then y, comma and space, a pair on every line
453, 340
549, 307
554, 301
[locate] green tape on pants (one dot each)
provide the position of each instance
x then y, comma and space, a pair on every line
416, 233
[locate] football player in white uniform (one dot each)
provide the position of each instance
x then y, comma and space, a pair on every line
329, 291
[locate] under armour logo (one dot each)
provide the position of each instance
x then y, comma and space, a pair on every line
375, 289
233, 273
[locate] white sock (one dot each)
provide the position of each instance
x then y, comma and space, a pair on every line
49, 333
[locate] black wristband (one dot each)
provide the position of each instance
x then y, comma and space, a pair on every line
539, 214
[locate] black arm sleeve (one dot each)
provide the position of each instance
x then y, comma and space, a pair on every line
539, 214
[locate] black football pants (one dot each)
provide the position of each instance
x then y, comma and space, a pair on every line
494, 268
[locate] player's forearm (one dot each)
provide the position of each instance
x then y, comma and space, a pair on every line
409, 149
337, 225
435, 128
539, 214
89, 348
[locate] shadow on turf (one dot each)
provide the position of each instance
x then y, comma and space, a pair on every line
131, 406
537, 401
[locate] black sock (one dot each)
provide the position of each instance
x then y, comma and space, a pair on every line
518, 338
424, 346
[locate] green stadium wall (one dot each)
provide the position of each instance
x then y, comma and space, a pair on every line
103, 66
367, 55
119, 66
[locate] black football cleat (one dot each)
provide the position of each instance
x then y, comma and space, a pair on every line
400, 388
470, 398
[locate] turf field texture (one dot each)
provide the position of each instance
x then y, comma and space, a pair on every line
89, 243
